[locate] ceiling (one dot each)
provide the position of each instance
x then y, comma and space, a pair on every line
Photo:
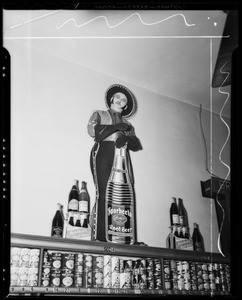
171, 53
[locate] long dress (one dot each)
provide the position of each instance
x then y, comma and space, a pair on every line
101, 162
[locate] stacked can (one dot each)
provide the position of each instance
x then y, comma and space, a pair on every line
211, 277
217, 274
55, 272
67, 271
174, 275
142, 274
150, 273
125, 273
157, 274
115, 273
167, 274
46, 269
193, 276
228, 278
78, 270
200, 285
135, 274
186, 275
97, 265
14, 269
205, 276
180, 277
223, 278
107, 271
87, 275
33, 267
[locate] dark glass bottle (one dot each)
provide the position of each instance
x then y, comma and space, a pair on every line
71, 220
197, 239
84, 220
185, 232
181, 212
175, 231
73, 197
57, 223
174, 217
84, 199
78, 221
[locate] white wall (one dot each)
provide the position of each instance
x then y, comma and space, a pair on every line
51, 102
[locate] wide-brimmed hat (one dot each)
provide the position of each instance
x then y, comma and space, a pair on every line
131, 107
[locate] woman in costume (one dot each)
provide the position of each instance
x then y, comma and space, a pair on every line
110, 129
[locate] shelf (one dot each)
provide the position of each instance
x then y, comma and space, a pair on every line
155, 263
65, 244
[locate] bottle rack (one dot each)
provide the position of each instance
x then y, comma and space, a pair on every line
100, 248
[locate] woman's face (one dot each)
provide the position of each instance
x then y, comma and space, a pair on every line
119, 101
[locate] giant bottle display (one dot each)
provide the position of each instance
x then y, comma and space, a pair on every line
120, 202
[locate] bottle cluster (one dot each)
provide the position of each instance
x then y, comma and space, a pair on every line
78, 209
180, 228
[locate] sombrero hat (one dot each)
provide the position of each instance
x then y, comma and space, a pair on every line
131, 107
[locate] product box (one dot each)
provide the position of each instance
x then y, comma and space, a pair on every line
174, 242
75, 232
183, 244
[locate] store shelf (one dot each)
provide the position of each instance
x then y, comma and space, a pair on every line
114, 249
95, 249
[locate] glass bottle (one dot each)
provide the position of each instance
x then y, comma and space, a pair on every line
84, 199
197, 239
78, 221
174, 217
181, 212
84, 221
120, 202
185, 232
71, 219
73, 197
57, 223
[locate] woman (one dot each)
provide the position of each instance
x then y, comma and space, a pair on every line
110, 129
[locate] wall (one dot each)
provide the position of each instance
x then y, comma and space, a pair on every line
51, 102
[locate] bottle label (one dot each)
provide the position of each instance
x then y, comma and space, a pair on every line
57, 231
73, 204
198, 246
181, 220
175, 219
83, 206
120, 220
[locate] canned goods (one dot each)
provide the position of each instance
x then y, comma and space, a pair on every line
107, 271
56, 260
98, 278
15, 256
34, 258
67, 260
24, 257
55, 277
98, 262
67, 277
125, 280
87, 275
149, 264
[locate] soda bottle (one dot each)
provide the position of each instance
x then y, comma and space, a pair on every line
197, 239
120, 202
73, 197
84, 199
174, 217
181, 212
57, 223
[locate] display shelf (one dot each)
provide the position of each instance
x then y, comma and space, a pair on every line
117, 250
50, 243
